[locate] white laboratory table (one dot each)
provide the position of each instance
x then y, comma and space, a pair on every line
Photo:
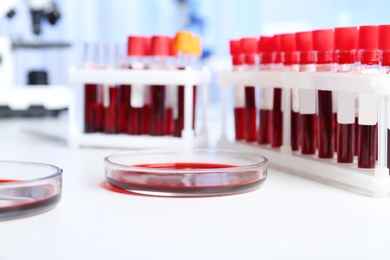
288, 218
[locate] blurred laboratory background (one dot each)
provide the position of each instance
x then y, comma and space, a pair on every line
216, 21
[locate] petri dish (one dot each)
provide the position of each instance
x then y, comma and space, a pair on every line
194, 172
28, 188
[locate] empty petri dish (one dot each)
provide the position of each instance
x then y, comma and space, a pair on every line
195, 172
28, 188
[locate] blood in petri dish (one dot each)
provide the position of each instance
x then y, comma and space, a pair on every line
157, 115
265, 126
277, 119
325, 125
174, 182
346, 143
25, 204
250, 114
295, 131
239, 120
124, 107
308, 134
111, 112
367, 146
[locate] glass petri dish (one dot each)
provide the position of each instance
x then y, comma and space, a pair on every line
175, 172
28, 188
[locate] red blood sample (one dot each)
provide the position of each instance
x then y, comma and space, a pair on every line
368, 146
90, 100
135, 121
345, 45
249, 49
111, 111
239, 116
323, 44
124, 107
277, 113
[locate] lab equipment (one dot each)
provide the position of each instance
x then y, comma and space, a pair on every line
28, 188
185, 173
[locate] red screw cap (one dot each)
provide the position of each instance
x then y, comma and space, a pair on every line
265, 48
136, 46
368, 37
323, 40
345, 38
235, 47
304, 41
287, 42
384, 37
249, 45
276, 48
160, 46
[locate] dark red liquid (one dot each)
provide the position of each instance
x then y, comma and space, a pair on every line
295, 131
174, 181
111, 112
356, 126
179, 122
308, 134
135, 121
346, 138
277, 119
250, 114
157, 115
239, 123
335, 125
265, 126
325, 124
146, 113
368, 146
93, 109
22, 208
169, 124
124, 108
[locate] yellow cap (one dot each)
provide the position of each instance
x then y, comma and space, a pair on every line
196, 46
182, 42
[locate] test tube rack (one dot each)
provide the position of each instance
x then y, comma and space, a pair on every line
187, 78
371, 182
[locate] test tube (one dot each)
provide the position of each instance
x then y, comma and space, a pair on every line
345, 44
368, 103
160, 51
290, 63
110, 93
249, 49
307, 98
182, 48
132, 100
238, 91
277, 109
323, 45
93, 96
384, 47
266, 94
146, 111
171, 99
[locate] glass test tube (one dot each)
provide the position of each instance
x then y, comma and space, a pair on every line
249, 49
93, 96
368, 103
384, 47
290, 63
307, 98
323, 45
238, 91
345, 44
266, 94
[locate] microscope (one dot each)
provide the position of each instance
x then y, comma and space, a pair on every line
37, 97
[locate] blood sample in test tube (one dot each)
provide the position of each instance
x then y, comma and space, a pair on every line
384, 47
249, 49
368, 103
307, 97
160, 52
266, 94
290, 63
146, 111
277, 111
238, 91
345, 45
323, 45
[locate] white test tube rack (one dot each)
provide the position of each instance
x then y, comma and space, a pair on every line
372, 182
187, 78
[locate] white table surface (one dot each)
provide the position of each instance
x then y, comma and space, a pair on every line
288, 218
